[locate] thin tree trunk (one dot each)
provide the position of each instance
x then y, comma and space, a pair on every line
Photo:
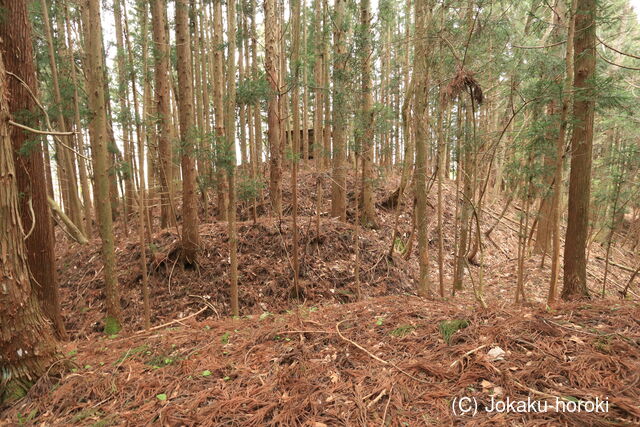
99, 157
231, 147
272, 67
218, 100
72, 229
125, 115
80, 144
66, 171
319, 85
295, 59
340, 115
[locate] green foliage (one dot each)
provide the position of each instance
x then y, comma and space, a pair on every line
133, 352
225, 338
26, 419
252, 91
399, 246
402, 331
28, 146
449, 327
265, 315
111, 325
249, 189
160, 361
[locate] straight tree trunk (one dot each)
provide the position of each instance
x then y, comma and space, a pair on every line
575, 262
305, 87
27, 346
66, 171
327, 133
99, 156
295, 106
163, 110
339, 152
421, 70
188, 135
319, 83
272, 69
366, 133
29, 166
556, 200
80, 145
465, 169
125, 114
218, 97
231, 153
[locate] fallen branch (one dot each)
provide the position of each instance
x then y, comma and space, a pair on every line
615, 264
373, 356
164, 325
467, 354
74, 231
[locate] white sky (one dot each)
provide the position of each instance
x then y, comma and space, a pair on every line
636, 6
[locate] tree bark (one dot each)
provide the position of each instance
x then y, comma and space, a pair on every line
575, 262
272, 69
339, 152
163, 110
66, 165
80, 145
27, 346
16, 40
99, 156
368, 216
188, 134
421, 70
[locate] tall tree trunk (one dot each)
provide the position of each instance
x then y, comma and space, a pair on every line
465, 170
556, 200
80, 145
366, 132
305, 87
125, 114
231, 153
15, 39
327, 133
99, 156
27, 346
272, 69
66, 171
188, 134
318, 83
440, 170
163, 110
575, 262
295, 106
421, 70
218, 98
339, 152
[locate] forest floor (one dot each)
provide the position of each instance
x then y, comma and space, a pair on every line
327, 359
